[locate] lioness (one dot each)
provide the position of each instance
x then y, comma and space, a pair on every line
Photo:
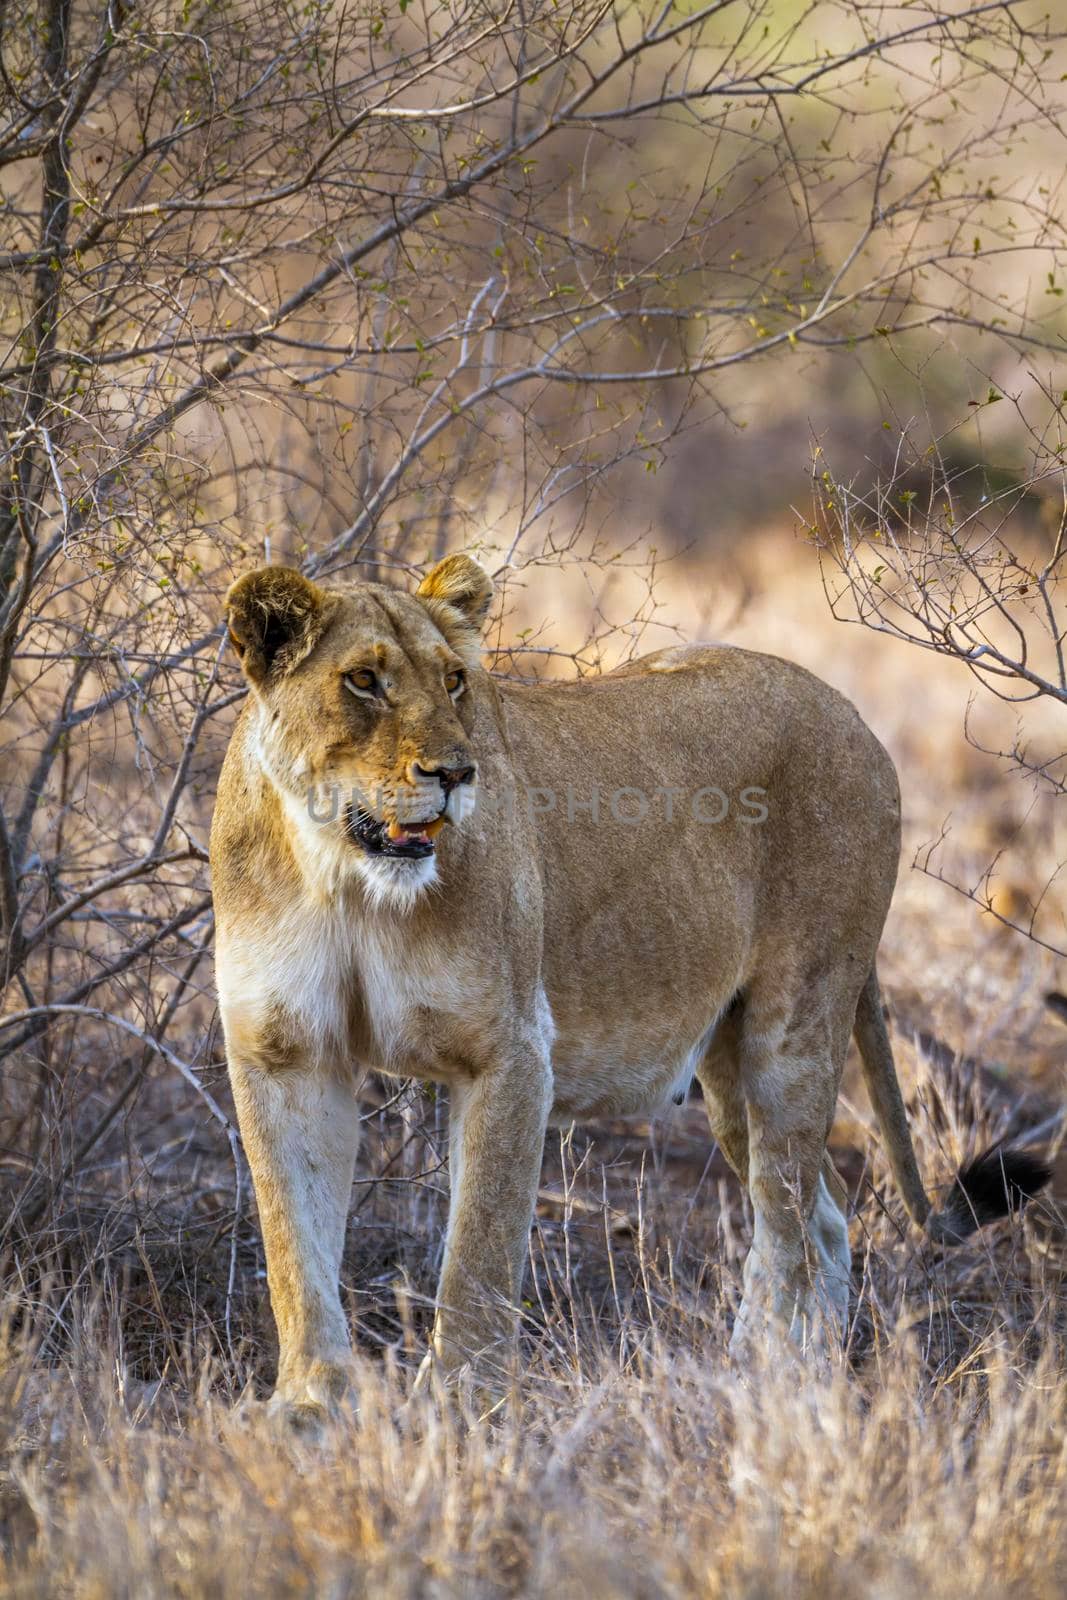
597, 929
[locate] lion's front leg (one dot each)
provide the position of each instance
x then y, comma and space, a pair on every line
300, 1130
497, 1133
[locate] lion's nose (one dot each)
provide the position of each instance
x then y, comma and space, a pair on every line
449, 777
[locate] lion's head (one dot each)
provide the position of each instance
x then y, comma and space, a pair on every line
364, 710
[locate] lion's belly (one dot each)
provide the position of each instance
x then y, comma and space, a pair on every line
616, 1082
629, 1035
636, 982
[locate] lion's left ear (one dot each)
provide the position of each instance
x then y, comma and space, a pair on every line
458, 585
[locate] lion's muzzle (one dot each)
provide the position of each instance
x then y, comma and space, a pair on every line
406, 825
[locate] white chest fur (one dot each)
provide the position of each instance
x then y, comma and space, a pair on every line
353, 984
404, 982
298, 965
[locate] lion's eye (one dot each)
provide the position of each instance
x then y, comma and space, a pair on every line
455, 683
362, 681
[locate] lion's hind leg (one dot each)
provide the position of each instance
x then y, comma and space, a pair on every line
796, 1277
829, 1227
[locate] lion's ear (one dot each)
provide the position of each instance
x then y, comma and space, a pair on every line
458, 590
275, 617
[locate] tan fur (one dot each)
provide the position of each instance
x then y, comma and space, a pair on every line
547, 964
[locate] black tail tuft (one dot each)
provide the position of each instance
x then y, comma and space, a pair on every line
993, 1185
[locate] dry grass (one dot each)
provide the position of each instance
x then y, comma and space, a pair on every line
631, 1460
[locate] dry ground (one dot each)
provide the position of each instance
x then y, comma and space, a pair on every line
632, 1459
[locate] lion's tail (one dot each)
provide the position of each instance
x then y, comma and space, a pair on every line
991, 1186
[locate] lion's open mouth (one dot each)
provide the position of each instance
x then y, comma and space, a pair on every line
402, 841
